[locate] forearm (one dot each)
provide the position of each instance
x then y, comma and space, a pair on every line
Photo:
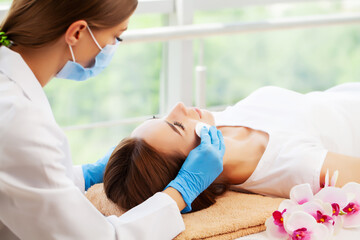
174, 194
348, 167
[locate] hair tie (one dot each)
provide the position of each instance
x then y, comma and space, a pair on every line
4, 39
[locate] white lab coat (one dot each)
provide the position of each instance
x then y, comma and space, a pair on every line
41, 194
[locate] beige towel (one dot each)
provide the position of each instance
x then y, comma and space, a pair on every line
233, 215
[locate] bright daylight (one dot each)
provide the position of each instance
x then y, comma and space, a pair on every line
180, 119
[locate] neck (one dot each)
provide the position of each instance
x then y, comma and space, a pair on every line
244, 149
44, 62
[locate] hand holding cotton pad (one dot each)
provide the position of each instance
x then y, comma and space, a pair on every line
199, 126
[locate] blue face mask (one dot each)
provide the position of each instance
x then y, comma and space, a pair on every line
74, 71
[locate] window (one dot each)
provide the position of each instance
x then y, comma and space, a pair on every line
303, 60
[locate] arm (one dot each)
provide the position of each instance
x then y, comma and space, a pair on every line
349, 168
176, 196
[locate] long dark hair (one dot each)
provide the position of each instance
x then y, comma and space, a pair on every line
136, 171
35, 23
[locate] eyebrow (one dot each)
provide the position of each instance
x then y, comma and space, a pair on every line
173, 128
124, 29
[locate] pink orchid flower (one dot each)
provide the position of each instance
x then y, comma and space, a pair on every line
300, 196
334, 196
352, 209
303, 226
322, 213
345, 202
306, 216
325, 219
337, 198
301, 193
336, 209
333, 179
275, 226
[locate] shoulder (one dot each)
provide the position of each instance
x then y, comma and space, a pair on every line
12, 100
16, 110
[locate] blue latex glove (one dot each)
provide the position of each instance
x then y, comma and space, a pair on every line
94, 172
203, 165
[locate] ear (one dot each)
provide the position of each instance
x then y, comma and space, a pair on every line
75, 31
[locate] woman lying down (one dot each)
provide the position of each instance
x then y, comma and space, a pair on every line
275, 139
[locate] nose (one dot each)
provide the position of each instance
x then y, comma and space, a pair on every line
179, 110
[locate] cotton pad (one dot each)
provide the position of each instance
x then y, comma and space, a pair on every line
199, 126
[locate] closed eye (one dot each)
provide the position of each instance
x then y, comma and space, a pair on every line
173, 128
179, 124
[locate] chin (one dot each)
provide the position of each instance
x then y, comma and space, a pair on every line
208, 117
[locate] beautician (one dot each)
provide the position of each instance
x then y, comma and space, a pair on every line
41, 193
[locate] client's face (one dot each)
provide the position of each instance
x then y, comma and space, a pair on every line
174, 133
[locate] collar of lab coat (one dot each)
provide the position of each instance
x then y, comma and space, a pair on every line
16, 69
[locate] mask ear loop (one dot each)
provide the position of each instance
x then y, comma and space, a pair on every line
92, 35
72, 53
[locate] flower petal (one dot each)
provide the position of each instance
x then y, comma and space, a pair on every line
334, 178
289, 205
352, 189
351, 221
273, 231
320, 232
312, 207
333, 195
298, 220
328, 209
326, 178
338, 224
301, 193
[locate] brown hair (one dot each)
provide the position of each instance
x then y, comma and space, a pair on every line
35, 23
136, 171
